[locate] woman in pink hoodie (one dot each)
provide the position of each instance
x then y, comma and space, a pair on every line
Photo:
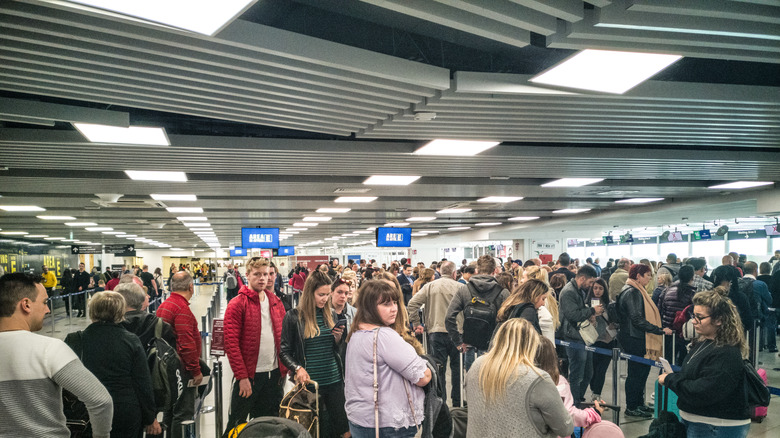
547, 360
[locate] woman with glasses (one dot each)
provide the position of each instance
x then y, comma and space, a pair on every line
710, 386
640, 335
310, 347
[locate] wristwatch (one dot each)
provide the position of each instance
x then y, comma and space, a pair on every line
297, 367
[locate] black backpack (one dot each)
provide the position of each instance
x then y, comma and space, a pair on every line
746, 287
479, 320
166, 369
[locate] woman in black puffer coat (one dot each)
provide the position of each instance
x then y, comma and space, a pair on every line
676, 298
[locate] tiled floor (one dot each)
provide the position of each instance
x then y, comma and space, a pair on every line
632, 427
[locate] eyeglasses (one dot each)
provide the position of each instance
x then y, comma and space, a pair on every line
699, 319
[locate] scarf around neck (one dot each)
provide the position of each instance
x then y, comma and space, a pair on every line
653, 342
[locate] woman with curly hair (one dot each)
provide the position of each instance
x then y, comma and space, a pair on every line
711, 384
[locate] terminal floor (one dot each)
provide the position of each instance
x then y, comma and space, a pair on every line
631, 426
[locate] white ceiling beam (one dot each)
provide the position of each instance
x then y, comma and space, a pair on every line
46, 112
569, 10
509, 13
457, 19
725, 9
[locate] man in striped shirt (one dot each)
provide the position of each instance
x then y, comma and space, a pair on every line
176, 312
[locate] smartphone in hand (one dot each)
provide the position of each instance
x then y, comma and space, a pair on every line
667, 367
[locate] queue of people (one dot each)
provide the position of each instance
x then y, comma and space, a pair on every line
353, 334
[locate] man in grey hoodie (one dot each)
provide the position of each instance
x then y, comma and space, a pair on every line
483, 287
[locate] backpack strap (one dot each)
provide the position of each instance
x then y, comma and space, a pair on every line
158, 328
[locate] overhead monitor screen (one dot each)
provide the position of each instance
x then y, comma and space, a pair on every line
393, 237
238, 252
702, 235
772, 230
286, 250
607, 240
260, 238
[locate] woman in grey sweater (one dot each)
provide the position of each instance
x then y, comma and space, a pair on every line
508, 395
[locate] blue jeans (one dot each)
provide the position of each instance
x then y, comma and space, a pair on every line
470, 356
580, 372
703, 430
384, 432
442, 348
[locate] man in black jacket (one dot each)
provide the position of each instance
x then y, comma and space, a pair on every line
137, 320
82, 282
573, 311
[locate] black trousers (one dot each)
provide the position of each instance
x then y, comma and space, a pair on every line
264, 401
600, 367
637, 372
333, 400
442, 348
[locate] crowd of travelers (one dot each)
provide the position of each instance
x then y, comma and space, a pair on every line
356, 332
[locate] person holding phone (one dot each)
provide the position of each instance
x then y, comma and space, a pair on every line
310, 347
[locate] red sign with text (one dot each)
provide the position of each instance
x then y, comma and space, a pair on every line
218, 337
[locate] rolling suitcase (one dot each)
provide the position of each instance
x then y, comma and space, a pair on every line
758, 413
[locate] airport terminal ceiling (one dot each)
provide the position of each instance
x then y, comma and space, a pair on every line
295, 103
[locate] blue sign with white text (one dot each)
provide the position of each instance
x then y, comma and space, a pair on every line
393, 237
260, 238
286, 250
354, 257
238, 252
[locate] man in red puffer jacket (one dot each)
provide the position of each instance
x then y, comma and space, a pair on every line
253, 330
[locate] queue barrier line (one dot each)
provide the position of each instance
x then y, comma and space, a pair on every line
642, 360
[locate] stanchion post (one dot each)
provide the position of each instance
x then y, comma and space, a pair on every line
70, 307
674, 349
188, 429
616, 384
216, 377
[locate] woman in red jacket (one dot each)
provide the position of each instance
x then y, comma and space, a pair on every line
253, 329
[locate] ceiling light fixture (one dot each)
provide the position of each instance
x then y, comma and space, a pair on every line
458, 228
192, 218
305, 224
149, 175
317, 219
500, 199
113, 232
57, 218
158, 197
605, 70
638, 200
287, 230
184, 210
137, 135
571, 210
391, 180
488, 224
460, 148
14, 233
36, 236
99, 229
421, 218
523, 218
362, 199
21, 208
396, 224
741, 185
453, 210
56, 238
572, 182
333, 210
81, 224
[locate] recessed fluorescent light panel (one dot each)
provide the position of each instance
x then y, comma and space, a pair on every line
572, 182
523, 218
21, 208
571, 210
317, 218
458, 228
196, 224
453, 210
391, 180
460, 148
306, 224
605, 70
288, 230
57, 218
36, 236
204, 17
149, 175
421, 219
363, 199
13, 233
500, 199
113, 232
638, 200
184, 210
131, 135
81, 224
158, 197
99, 229
488, 224
396, 224
737, 185
192, 218
333, 210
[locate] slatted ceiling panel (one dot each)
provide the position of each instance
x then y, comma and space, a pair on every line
69, 55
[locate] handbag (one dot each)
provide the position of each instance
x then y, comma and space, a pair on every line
757, 392
303, 407
588, 332
376, 393
76, 413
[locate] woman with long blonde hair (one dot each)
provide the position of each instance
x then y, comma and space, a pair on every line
426, 276
523, 302
310, 347
508, 395
549, 318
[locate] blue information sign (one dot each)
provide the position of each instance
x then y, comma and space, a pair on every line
286, 250
260, 237
238, 252
354, 257
393, 237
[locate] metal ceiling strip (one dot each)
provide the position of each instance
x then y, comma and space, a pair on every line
710, 8
509, 13
249, 101
616, 117
108, 89
461, 20
569, 10
65, 113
